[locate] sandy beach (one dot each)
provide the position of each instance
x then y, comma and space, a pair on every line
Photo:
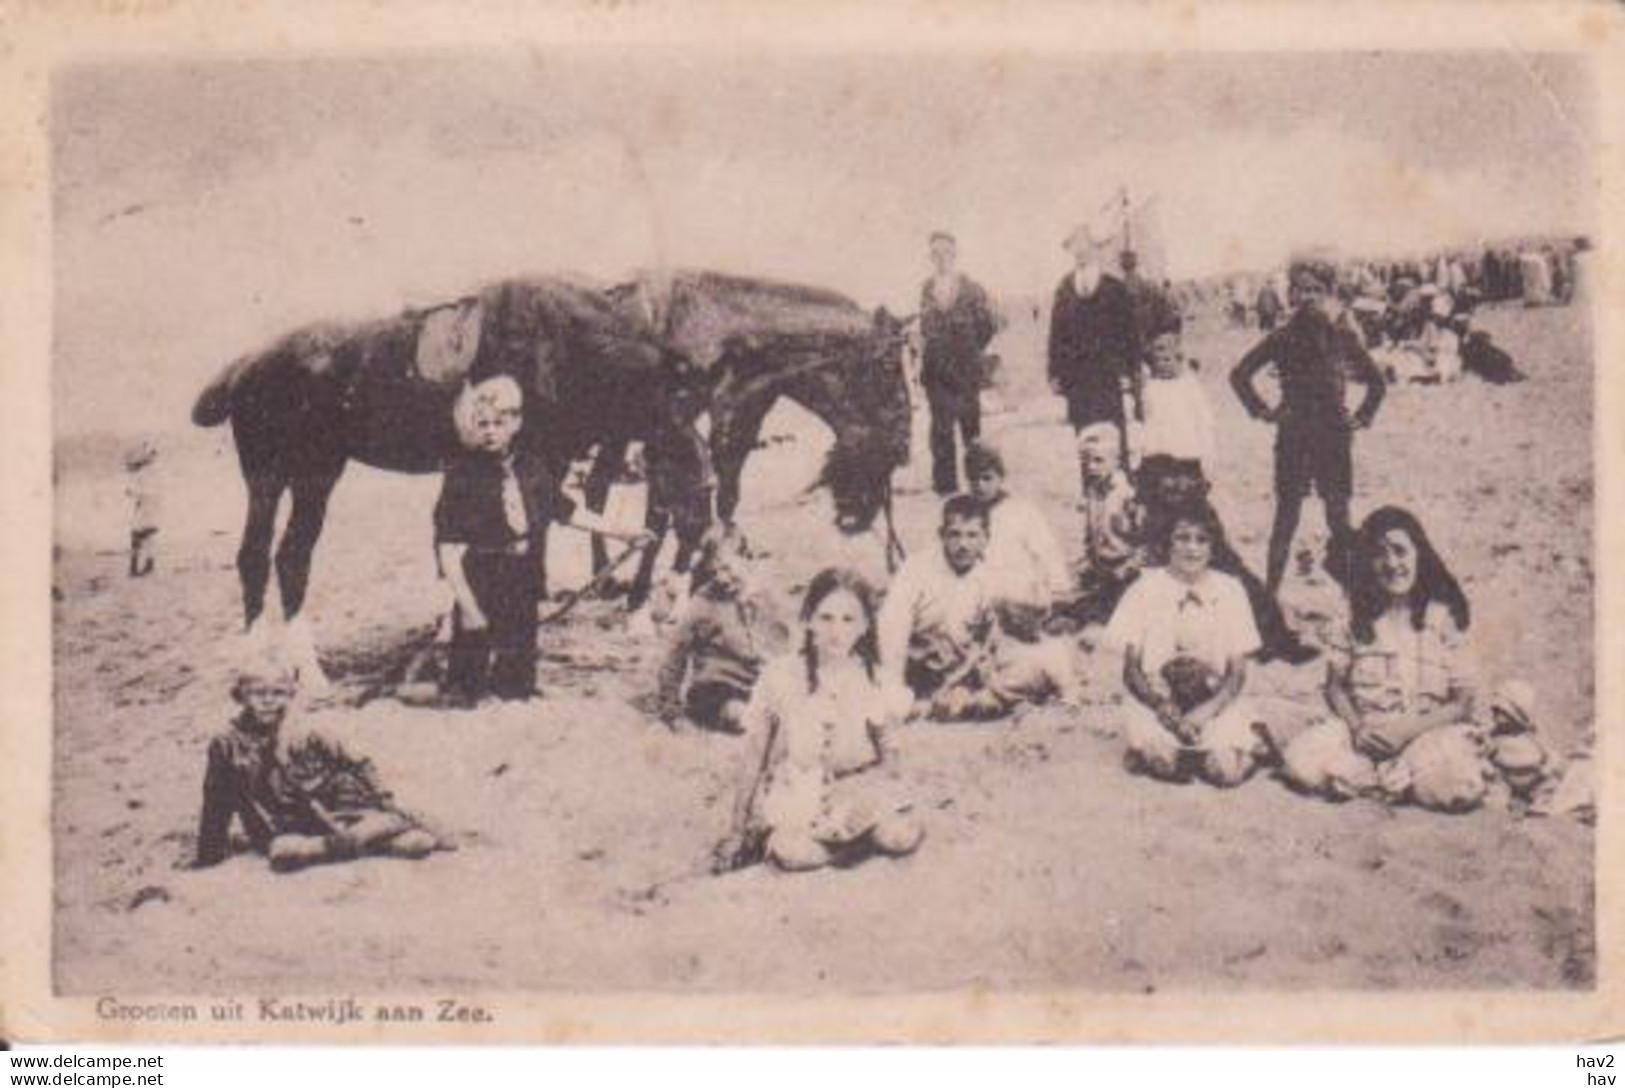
582, 827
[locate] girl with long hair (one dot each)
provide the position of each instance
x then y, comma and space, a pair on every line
1401, 686
1186, 630
820, 779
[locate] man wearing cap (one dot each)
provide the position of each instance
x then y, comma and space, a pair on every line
1314, 355
956, 323
1093, 348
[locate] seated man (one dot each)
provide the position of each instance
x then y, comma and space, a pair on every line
299, 803
938, 633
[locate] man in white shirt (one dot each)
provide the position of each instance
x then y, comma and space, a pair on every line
1026, 570
938, 609
938, 633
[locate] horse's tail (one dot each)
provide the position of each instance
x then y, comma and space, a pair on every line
214, 405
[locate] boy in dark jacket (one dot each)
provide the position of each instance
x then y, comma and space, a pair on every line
490, 523
1314, 355
956, 323
299, 803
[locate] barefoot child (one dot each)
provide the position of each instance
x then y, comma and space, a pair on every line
1400, 686
719, 643
821, 764
299, 803
141, 495
1185, 631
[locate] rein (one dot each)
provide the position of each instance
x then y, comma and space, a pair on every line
896, 554
570, 598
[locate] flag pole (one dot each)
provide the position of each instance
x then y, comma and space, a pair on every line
1128, 237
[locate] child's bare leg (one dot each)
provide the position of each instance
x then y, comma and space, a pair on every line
1320, 760
897, 834
1033, 672
1451, 777
290, 852
731, 716
796, 851
1230, 748
412, 844
1149, 743
1287, 509
389, 833
1053, 658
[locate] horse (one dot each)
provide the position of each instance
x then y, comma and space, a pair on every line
381, 393
757, 341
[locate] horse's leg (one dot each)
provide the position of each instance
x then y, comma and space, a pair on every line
605, 466
656, 521
293, 554
735, 438
254, 552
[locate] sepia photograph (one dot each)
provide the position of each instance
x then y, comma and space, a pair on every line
819, 520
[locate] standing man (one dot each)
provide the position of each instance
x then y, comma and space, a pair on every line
1268, 306
1093, 350
1314, 355
956, 323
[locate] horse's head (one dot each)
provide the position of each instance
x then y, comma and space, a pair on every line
857, 470
871, 424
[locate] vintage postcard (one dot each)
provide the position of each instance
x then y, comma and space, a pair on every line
760, 523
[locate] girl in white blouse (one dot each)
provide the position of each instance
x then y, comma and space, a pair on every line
821, 779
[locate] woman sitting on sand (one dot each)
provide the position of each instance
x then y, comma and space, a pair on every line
1400, 684
1186, 630
820, 778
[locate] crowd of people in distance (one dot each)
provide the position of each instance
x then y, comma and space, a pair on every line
1416, 316
986, 619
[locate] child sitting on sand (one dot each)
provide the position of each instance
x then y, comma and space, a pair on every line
1112, 524
1165, 484
302, 802
1024, 568
1401, 684
720, 641
1185, 630
821, 778
940, 635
